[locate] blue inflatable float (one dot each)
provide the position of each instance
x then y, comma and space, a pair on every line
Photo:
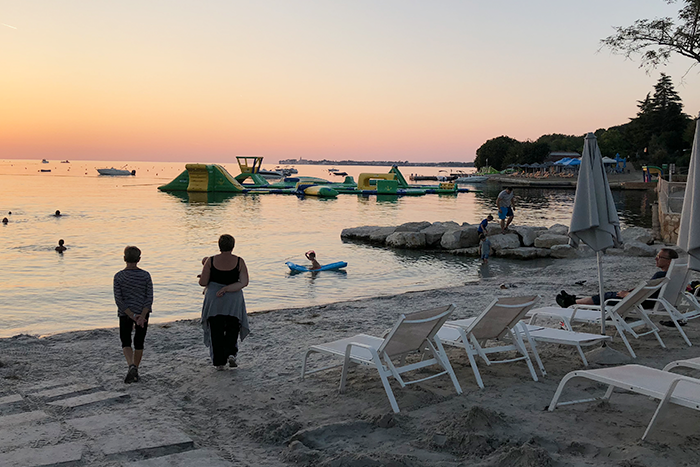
326, 267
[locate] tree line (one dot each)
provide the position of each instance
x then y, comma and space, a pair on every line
660, 133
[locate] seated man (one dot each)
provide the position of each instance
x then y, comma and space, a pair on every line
663, 261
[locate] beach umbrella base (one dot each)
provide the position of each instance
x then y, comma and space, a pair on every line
606, 355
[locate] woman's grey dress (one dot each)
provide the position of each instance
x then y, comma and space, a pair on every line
231, 304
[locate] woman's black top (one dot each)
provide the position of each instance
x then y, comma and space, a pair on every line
224, 277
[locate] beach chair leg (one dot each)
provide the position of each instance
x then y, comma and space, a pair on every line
472, 361
621, 333
660, 408
680, 330
533, 347
303, 364
560, 389
582, 355
387, 388
441, 356
518, 341
344, 374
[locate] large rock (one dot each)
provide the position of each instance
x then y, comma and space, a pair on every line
413, 226
518, 253
638, 234
563, 251
559, 229
358, 233
528, 234
614, 252
549, 240
639, 249
543, 252
406, 240
380, 234
434, 233
464, 237
506, 241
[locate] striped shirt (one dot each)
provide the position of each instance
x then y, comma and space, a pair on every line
133, 289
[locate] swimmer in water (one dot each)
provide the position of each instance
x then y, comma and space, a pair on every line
57, 213
60, 248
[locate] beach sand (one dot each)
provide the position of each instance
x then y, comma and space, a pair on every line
262, 414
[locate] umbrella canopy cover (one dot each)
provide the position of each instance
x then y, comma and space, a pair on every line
594, 220
689, 229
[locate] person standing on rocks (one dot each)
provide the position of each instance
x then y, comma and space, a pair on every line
505, 207
133, 293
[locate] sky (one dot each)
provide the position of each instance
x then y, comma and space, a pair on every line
206, 80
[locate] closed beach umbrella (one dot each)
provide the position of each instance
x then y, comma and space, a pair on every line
594, 220
689, 229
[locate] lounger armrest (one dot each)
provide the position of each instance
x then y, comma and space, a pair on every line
674, 384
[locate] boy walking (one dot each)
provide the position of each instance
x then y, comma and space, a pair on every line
485, 248
133, 294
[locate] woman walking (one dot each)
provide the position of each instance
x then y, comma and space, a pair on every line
223, 313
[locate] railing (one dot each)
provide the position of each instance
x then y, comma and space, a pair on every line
671, 196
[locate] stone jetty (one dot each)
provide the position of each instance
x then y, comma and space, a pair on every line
519, 242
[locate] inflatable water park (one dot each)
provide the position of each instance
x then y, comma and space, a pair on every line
213, 178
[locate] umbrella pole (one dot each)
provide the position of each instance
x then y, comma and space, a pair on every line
599, 254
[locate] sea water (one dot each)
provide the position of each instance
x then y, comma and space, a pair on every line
43, 292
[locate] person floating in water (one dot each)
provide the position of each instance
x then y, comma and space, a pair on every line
57, 213
60, 248
311, 256
5, 220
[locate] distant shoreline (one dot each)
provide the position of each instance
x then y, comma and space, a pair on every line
382, 163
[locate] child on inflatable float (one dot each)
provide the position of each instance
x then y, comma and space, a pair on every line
311, 256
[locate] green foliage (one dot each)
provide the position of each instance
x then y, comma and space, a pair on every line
656, 40
494, 151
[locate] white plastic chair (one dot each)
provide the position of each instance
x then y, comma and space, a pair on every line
674, 301
616, 310
657, 384
412, 333
496, 322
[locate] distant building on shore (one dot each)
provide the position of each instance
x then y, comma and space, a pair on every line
559, 155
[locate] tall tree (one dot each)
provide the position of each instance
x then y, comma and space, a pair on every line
655, 40
494, 152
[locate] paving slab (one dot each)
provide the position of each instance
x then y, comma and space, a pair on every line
22, 435
50, 456
47, 385
146, 442
92, 398
96, 425
22, 417
65, 390
11, 399
198, 458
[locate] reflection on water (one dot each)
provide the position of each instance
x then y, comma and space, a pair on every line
45, 292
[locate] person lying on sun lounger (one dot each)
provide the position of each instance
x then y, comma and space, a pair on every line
663, 261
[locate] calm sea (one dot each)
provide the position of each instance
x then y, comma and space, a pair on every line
43, 292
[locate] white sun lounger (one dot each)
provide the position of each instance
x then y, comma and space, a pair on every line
561, 337
616, 310
693, 363
412, 333
496, 322
657, 384
674, 301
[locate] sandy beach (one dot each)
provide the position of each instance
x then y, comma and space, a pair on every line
263, 414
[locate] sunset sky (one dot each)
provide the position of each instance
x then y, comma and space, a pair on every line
203, 81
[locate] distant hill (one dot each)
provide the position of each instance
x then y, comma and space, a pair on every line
301, 161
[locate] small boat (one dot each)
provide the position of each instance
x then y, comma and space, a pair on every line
332, 170
65, 162
340, 174
113, 171
286, 171
45, 170
44, 161
270, 173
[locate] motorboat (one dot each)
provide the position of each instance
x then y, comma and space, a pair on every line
271, 173
286, 171
113, 171
44, 161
